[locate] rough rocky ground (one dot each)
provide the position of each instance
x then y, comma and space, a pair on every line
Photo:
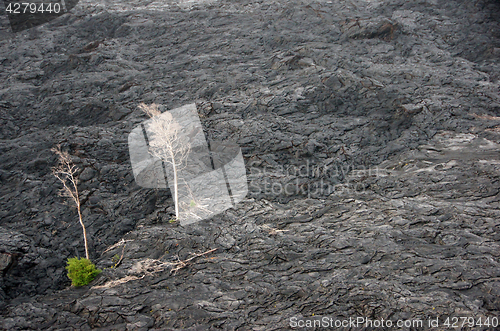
388, 110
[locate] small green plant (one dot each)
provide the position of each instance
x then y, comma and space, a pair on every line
172, 220
81, 271
192, 204
115, 258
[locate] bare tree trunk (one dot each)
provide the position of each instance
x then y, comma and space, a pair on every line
84, 230
176, 198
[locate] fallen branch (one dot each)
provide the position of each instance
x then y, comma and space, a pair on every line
121, 242
121, 257
271, 230
123, 280
151, 266
182, 264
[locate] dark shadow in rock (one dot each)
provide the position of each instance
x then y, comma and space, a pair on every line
92, 113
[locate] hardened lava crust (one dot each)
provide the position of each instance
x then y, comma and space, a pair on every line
370, 132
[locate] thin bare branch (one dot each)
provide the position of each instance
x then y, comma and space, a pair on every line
121, 242
121, 257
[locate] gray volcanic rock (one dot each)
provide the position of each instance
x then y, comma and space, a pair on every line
371, 136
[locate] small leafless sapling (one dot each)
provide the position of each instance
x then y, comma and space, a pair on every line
66, 172
167, 143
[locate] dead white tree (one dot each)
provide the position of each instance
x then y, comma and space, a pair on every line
66, 172
167, 143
